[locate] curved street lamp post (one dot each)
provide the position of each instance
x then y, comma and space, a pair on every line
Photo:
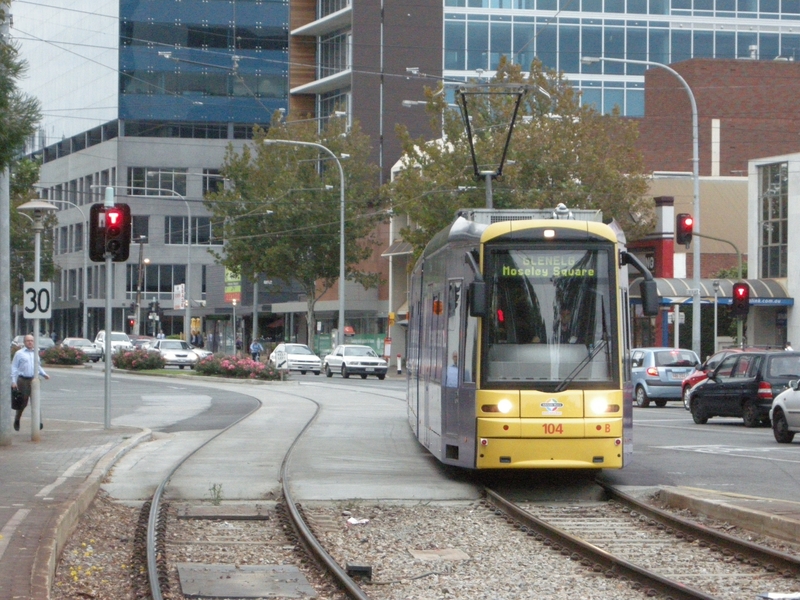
696, 179
342, 271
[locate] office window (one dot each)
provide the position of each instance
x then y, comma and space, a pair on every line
140, 227
145, 181
175, 231
773, 219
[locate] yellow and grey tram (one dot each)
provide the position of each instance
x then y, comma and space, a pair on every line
518, 341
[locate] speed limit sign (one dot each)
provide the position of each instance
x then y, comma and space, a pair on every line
36, 299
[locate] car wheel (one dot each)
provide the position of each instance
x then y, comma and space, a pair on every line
661, 403
328, 372
698, 413
181, 367
302, 372
363, 376
317, 373
641, 397
686, 398
345, 374
750, 414
95, 359
781, 428
381, 377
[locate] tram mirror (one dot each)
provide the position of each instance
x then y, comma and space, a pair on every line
477, 299
649, 293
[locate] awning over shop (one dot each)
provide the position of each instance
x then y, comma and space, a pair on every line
399, 249
275, 324
763, 292
403, 310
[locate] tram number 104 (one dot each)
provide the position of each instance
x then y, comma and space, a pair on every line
553, 429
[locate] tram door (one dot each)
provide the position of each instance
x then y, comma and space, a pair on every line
429, 390
452, 374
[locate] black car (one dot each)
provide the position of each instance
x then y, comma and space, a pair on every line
743, 385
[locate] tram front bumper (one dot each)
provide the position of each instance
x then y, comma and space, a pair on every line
549, 453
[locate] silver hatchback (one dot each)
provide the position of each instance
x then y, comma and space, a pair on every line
659, 372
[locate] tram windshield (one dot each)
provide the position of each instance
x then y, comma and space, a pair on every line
552, 318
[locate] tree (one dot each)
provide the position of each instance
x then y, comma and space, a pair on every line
24, 173
281, 208
560, 152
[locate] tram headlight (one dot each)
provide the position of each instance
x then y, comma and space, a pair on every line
598, 405
505, 406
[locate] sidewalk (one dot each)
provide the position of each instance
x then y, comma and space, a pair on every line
46, 486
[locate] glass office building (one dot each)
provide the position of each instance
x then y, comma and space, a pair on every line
559, 32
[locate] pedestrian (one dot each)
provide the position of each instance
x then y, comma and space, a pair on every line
54, 336
256, 349
788, 346
160, 334
24, 367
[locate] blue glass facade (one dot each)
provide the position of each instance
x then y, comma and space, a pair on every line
559, 32
228, 61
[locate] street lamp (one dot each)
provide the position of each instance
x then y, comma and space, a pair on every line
696, 177
716, 295
470, 90
342, 272
85, 286
39, 208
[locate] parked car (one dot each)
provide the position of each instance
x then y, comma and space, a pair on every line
744, 385
44, 343
350, 359
119, 341
176, 353
701, 372
785, 413
201, 352
91, 350
142, 341
659, 372
295, 357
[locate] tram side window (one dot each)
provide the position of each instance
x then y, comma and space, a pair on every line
454, 299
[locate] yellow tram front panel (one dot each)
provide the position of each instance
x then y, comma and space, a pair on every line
572, 429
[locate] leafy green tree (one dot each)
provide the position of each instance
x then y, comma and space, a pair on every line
24, 173
560, 152
19, 114
281, 208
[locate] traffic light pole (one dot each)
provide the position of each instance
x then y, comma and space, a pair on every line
739, 324
109, 203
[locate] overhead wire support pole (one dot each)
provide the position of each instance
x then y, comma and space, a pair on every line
696, 180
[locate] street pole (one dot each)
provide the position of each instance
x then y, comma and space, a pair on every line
139, 283
342, 270
716, 296
255, 310
235, 349
109, 203
696, 180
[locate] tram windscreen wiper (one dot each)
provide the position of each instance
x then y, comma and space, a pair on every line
595, 351
576, 371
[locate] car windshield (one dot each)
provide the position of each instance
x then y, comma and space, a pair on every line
359, 351
675, 358
298, 349
120, 337
176, 345
80, 343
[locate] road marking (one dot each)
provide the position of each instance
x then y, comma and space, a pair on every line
737, 452
71, 470
11, 527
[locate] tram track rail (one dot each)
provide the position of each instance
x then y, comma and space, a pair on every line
599, 552
157, 564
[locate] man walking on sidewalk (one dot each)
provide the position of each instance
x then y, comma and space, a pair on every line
24, 367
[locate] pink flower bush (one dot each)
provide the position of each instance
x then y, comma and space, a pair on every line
242, 368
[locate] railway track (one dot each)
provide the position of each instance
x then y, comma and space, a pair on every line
252, 549
655, 551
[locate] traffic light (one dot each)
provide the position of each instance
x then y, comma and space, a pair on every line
118, 232
109, 232
741, 300
684, 224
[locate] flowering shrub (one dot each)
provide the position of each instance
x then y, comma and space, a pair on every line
242, 368
63, 355
137, 360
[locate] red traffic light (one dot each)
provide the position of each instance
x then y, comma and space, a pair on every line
741, 300
114, 219
684, 226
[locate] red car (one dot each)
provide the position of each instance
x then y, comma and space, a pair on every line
700, 373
